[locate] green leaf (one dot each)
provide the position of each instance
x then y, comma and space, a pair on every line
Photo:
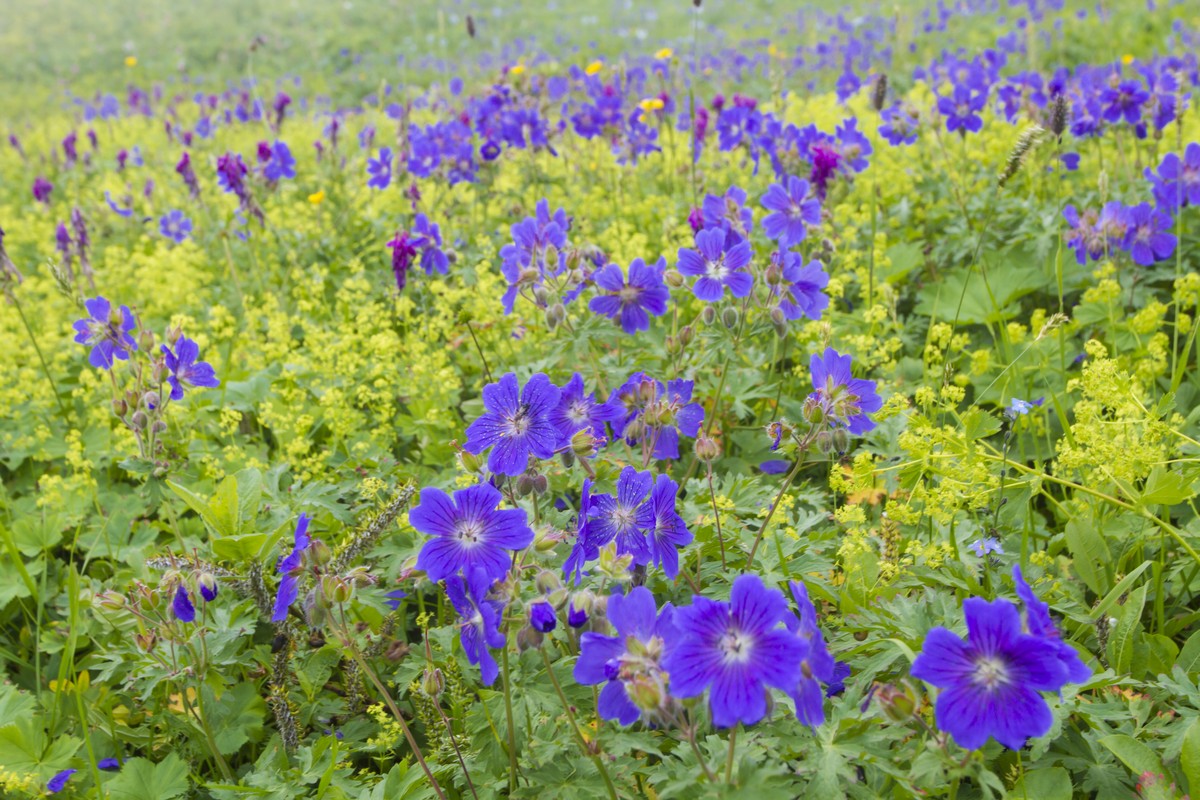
1189, 656
1164, 487
237, 718
1133, 754
1189, 757
977, 424
1119, 590
1052, 783
141, 779
1120, 644
1090, 553
24, 747
223, 508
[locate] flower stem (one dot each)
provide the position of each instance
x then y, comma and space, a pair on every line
801, 450
37, 348
583, 747
508, 715
729, 755
387, 698
716, 516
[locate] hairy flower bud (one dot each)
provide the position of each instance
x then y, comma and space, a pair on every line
774, 273
730, 317
706, 449
318, 553
120, 407
673, 278
779, 321
138, 420
898, 702
146, 341
113, 601
555, 315
709, 315
529, 639
583, 443
470, 462
541, 485
686, 334
524, 484
432, 682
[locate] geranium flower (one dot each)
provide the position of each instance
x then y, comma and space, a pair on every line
470, 532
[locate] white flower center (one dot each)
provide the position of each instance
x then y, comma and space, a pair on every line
468, 531
736, 646
717, 269
991, 672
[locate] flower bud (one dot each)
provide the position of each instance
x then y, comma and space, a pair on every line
825, 442
470, 462
146, 641
709, 315
120, 407
432, 682
551, 258
547, 581
159, 373
528, 275
540, 295
1060, 112
841, 440
318, 553
706, 449
634, 430
145, 341
779, 321
729, 317
544, 539
555, 315
138, 420
207, 582
898, 703
542, 616
673, 278
576, 617
645, 692
686, 334
567, 458
774, 274
583, 443
541, 485
335, 589
528, 638
173, 333
113, 601
672, 345
813, 412
159, 426
360, 577
524, 484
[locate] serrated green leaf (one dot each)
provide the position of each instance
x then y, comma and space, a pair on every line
1133, 754
1189, 656
1052, 783
141, 779
1164, 487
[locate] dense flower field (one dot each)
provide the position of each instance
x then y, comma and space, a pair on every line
659, 404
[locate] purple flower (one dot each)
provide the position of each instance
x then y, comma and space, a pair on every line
59, 781
1148, 236
42, 189
532, 238
626, 517
735, 649
988, 545
1124, 101
718, 262
290, 567
470, 532
380, 169
576, 411
799, 290
185, 369
175, 226
793, 211
727, 211
837, 685
962, 109
991, 681
842, 399
1019, 408
107, 330
542, 617
900, 124
516, 424
281, 164
667, 532
628, 664
182, 605
185, 171
108, 764
428, 239
634, 301
816, 667
585, 548
404, 250
1177, 182
674, 413
479, 619
1039, 623
116, 209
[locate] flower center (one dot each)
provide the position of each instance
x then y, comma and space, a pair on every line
578, 412
717, 269
518, 423
468, 531
629, 295
624, 518
991, 672
735, 646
